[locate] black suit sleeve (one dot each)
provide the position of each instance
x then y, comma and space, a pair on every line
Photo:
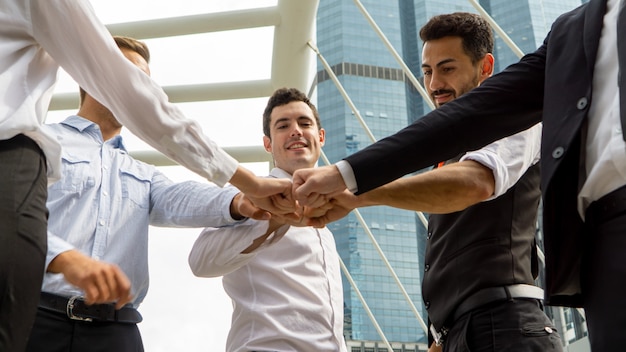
504, 104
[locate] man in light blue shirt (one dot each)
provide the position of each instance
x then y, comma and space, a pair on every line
98, 229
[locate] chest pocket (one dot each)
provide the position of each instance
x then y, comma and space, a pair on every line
77, 174
135, 180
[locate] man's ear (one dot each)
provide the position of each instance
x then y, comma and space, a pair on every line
487, 66
267, 143
322, 137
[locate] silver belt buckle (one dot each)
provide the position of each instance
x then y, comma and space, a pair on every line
438, 335
70, 309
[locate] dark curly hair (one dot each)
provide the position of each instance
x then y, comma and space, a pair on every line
284, 96
474, 31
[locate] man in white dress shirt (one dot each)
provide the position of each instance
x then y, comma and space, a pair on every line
37, 37
283, 278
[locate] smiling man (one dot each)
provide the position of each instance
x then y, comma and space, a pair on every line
283, 278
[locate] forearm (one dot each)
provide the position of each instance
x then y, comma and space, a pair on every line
448, 189
218, 252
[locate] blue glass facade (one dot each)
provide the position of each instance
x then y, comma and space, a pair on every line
376, 85
388, 102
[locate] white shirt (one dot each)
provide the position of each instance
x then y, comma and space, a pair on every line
36, 36
287, 295
508, 158
605, 161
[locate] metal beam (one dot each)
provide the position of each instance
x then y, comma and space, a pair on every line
188, 93
292, 61
195, 24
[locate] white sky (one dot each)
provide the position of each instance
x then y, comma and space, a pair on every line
182, 312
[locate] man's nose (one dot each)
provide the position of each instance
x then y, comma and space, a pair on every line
296, 130
435, 82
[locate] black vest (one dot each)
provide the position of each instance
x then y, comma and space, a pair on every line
486, 245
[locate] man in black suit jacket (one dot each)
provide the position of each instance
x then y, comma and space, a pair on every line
569, 83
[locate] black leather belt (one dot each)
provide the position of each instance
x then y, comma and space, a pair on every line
75, 308
607, 207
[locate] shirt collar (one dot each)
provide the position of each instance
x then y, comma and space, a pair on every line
279, 173
82, 125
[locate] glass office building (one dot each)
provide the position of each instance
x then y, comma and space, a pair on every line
387, 101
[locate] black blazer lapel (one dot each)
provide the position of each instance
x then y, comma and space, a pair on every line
592, 31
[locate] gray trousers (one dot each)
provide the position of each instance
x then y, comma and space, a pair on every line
23, 244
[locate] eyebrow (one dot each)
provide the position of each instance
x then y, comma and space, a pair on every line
442, 62
283, 119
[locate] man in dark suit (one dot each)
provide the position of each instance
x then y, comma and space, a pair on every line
571, 84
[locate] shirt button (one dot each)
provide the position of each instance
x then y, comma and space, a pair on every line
101, 222
426, 267
548, 329
582, 103
105, 193
558, 152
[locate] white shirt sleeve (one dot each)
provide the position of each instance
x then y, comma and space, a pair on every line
217, 251
348, 175
509, 158
70, 32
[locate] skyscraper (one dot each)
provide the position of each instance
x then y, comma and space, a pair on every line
387, 101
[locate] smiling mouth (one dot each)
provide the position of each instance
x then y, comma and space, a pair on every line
441, 97
297, 146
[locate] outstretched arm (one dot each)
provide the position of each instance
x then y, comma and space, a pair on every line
451, 188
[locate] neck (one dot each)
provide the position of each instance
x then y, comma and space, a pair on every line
98, 114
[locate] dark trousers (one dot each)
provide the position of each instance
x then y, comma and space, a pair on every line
55, 332
604, 275
23, 245
514, 326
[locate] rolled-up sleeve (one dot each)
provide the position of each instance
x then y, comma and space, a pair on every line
509, 158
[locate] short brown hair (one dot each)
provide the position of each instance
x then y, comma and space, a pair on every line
473, 30
284, 96
126, 43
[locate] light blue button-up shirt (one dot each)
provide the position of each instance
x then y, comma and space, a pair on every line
105, 200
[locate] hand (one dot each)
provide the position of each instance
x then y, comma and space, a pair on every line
281, 203
101, 282
241, 207
338, 207
270, 194
314, 187
435, 348
300, 221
